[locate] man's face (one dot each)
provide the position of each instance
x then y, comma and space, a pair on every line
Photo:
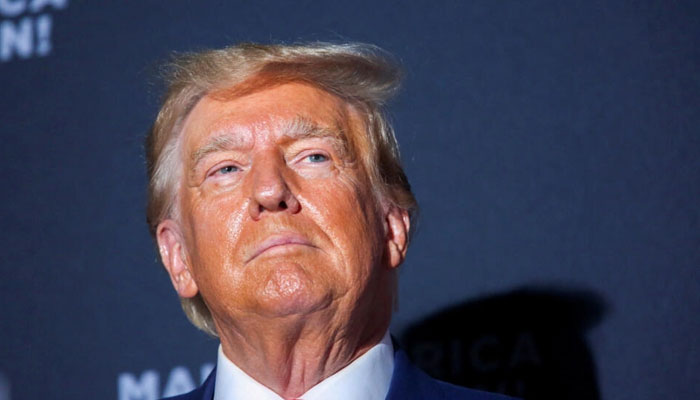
275, 217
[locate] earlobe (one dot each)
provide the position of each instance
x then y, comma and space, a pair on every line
173, 254
398, 225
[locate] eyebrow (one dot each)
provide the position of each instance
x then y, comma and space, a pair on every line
295, 129
222, 142
302, 128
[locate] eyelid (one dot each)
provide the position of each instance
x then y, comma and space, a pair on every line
302, 155
220, 165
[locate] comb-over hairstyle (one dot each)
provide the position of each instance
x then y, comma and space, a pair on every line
362, 75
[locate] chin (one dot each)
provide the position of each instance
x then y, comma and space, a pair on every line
289, 291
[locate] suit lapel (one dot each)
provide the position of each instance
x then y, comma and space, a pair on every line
206, 391
408, 382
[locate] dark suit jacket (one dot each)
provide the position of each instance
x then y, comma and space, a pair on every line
407, 383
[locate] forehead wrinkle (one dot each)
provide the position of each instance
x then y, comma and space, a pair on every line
228, 136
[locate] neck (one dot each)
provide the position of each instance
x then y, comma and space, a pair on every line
292, 354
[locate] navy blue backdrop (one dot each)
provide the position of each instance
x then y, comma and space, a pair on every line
553, 146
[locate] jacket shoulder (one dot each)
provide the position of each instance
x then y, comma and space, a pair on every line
453, 392
409, 382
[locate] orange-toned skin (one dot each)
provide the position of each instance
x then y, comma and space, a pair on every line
282, 236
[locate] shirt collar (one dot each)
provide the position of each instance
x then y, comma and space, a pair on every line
366, 378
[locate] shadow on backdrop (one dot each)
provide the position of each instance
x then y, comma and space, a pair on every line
528, 343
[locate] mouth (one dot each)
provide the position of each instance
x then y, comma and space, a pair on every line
279, 241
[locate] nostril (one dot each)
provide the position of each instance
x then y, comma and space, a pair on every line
283, 205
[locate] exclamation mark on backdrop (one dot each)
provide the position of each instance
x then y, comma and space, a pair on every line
43, 35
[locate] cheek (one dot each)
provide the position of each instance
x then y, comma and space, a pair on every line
349, 216
215, 229
215, 224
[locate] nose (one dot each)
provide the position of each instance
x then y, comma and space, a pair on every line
270, 191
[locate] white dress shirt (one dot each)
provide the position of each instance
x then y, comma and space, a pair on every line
366, 378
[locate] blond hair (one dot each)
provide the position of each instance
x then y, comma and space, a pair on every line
362, 75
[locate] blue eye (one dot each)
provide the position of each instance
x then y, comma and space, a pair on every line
317, 158
228, 169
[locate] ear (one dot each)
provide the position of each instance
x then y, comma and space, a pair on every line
398, 224
174, 256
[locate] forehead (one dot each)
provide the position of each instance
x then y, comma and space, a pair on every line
264, 111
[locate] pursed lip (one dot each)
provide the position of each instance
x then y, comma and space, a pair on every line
279, 240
